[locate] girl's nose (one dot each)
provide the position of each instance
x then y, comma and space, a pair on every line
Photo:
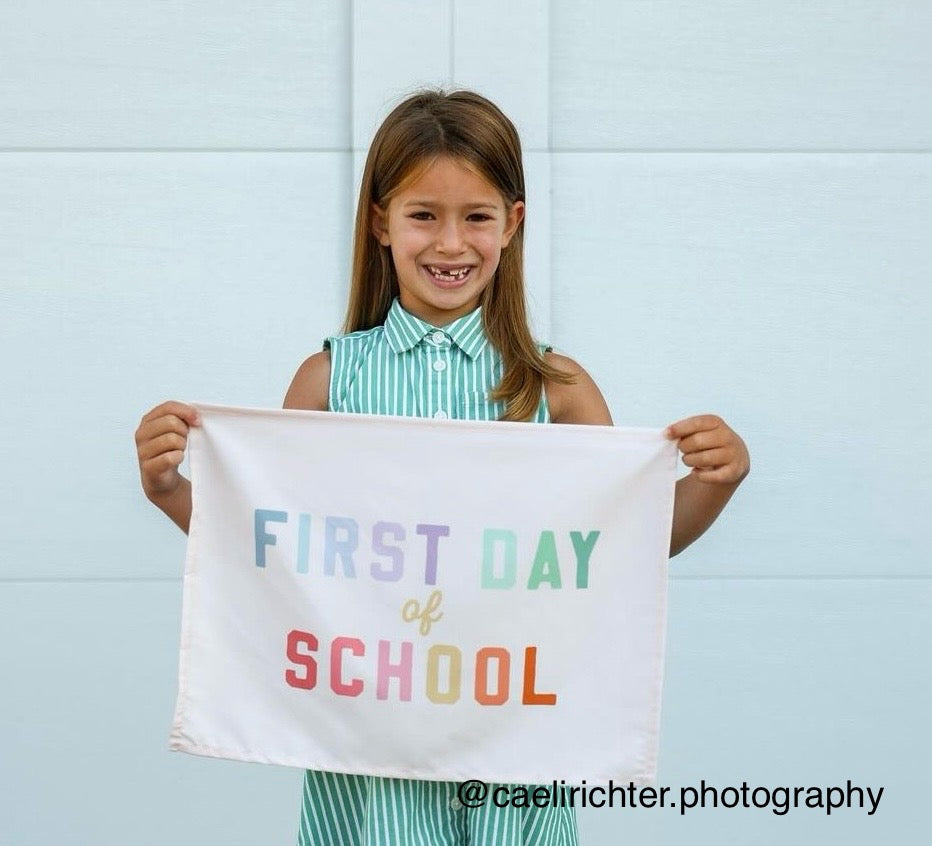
450, 238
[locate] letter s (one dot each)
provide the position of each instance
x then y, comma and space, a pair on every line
298, 638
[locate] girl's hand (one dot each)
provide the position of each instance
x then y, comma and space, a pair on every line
713, 450
161, 440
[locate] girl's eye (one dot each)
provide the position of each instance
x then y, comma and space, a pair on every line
475, 217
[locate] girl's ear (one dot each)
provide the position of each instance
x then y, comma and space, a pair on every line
515, 216
378, 223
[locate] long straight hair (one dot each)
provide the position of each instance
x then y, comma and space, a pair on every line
466, 126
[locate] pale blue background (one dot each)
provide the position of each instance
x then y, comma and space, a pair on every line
730, 207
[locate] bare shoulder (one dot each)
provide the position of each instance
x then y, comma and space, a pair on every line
310, 388
579, 401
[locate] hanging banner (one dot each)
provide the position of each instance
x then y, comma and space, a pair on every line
444, 600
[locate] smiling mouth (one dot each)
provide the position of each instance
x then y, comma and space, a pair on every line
448, 275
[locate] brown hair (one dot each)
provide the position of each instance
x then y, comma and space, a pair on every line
465, 126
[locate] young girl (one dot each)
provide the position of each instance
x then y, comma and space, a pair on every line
436, 327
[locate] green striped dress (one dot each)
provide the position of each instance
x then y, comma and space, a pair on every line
408, 367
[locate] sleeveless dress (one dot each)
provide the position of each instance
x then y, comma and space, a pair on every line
408, 367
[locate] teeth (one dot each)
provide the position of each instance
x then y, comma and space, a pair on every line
459, 273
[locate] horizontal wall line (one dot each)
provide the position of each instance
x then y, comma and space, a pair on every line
764, 151
814, 577
346, 150
80, 580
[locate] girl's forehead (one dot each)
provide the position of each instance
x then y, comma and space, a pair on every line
446, 176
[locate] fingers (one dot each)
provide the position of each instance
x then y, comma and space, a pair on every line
161, 443
702, 432
692, 425
161, 464
161, 440
711, 448
187, 413
719, 475
165, 418
150, 430
712, 439
708, 459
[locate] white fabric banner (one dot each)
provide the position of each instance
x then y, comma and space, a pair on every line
444, 600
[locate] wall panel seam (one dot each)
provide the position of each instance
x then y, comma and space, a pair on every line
350, 81
69, 150
809, 577
763, 151
80, 580
451, 68
550, 204
551, 151
814, 577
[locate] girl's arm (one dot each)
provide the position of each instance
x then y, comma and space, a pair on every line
580, 401
719, 461
718, 456
310, 387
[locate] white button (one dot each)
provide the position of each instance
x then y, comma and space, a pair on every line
440, 365
438, 337
440, 415
455, 804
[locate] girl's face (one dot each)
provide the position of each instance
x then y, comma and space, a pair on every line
446, 229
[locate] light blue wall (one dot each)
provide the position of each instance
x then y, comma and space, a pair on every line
729, 210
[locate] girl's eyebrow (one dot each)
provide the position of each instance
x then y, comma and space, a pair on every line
434, 204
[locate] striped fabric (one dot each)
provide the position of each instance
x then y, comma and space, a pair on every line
410, 368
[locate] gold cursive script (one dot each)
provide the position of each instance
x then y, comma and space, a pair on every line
428, 615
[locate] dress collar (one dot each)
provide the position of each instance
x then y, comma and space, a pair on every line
404, 331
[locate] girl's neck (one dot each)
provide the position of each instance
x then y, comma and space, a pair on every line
437, 317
